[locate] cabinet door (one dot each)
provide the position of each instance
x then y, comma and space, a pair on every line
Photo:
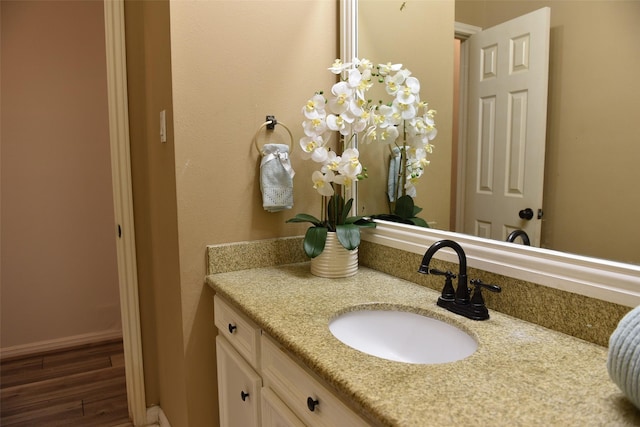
238, 388
275, 413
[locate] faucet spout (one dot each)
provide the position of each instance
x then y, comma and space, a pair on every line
462, 291
519, 233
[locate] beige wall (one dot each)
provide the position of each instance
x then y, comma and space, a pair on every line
218, 69
155, 209
232, 64
428, 54
591, 201
59, 276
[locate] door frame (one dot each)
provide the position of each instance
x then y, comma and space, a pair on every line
462, 33
123, 206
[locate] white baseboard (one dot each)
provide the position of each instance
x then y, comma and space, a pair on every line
156, 417
59, 343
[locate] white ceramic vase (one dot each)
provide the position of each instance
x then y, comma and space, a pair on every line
335, 261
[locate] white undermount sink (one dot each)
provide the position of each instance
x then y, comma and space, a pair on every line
402, 336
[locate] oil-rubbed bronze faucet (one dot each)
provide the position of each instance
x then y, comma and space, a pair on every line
519, 233
459, 301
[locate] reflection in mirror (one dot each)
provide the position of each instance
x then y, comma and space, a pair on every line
421, 50
590, 201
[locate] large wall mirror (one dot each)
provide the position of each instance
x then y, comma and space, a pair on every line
591, 203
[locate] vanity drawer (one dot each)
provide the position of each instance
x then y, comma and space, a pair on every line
307, 398
241, 332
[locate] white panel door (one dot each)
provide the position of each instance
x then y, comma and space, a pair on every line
508, 73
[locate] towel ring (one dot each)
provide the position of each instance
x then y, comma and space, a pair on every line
274, 122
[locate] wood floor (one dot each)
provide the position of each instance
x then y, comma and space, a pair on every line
84, 386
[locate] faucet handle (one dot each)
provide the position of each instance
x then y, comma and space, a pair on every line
448, 292
447, 273
480, 284
476, 298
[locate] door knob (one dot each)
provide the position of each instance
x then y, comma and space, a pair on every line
312, 403
526, 214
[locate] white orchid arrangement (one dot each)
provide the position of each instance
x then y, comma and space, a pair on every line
405, 121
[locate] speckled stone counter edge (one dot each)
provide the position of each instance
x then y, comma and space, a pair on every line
582, 317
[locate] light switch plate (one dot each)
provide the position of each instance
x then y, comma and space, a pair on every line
163, 126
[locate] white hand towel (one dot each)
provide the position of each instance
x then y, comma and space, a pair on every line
394, 170
623, 361
276, 178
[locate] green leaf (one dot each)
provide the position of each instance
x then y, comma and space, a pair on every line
345, 211
404, 207
306, 218
348, 235
335, 207
393, 218
360, 221
314, 241
354, 219
365, 223
419, 221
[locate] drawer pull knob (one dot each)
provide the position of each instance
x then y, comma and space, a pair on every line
311, 404
244, 395
232, 328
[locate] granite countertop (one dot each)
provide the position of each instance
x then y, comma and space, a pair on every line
521, 373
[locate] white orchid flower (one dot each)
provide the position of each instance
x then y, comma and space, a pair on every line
385, 116
360, 81
370, 135
388, 135
413, 84
365, 84
350, 165
320, 154
344, 180
314, 107
394, 82
341, 123
421, 158
314, 127
388, 68
338, 66
314, 148
418, 126
322, 182
363, 64
406, 111
408, 93
410, 188
332, 162
360, 123
342, 93
310, 143
357, 107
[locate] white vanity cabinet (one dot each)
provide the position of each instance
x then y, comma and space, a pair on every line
260, 384
238, 355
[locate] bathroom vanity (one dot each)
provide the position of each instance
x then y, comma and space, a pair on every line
520, 373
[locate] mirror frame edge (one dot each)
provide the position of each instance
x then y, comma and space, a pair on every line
349, 50
610, 281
